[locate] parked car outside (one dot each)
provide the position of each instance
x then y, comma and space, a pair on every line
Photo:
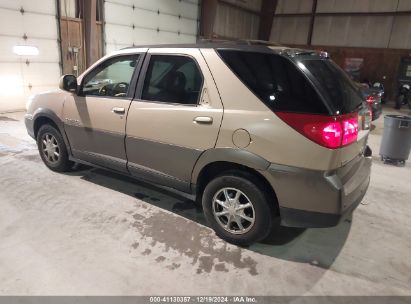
256, 133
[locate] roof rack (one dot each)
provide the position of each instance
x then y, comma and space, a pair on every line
240, 42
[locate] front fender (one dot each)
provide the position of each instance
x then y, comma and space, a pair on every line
42, 113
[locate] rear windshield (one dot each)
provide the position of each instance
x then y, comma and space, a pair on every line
336, 87
275, 80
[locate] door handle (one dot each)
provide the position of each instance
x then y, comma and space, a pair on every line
118, 110
203, 120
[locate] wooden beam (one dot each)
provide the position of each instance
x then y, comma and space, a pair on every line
90, 31
312, 20
267, 13
58, 7
208, 14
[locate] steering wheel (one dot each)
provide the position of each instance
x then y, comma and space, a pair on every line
103, 90
120, 89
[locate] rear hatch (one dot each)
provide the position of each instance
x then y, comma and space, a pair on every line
310, 93
342, 96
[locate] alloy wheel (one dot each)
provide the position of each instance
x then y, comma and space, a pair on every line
50, 148
233, 210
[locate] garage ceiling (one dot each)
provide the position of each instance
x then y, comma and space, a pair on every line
138, 22
27, 23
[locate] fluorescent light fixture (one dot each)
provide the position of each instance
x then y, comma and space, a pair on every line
25, 50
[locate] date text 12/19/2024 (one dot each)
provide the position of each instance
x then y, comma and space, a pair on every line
203, 299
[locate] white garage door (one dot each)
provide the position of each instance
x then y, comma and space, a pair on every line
27, 23
139, 22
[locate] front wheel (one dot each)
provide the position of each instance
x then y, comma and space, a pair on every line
237, 209
52, 149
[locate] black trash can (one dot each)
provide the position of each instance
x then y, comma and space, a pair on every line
396, 139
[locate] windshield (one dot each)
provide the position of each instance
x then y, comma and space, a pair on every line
336, 87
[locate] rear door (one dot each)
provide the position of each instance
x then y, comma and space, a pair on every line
175, 116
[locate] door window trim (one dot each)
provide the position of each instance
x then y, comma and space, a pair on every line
141, 79
133, 80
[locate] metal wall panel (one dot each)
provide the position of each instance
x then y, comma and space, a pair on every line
294, 6
235, 23
30, 23
356, 31
290, 30
333, 6
401, 33
404, 5
254, 5
138, 22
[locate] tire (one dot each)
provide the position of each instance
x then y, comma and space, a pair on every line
52, 149
261, 212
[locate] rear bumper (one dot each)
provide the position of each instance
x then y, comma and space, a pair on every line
310, 219
318, 199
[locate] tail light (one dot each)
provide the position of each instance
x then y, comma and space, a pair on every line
328, 131
371, 99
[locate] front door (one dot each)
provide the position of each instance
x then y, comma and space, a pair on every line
175, 117
95, 119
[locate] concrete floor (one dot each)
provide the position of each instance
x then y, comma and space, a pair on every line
95, 233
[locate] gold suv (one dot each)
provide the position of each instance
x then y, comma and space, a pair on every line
256, 133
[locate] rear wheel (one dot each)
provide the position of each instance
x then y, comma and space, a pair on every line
52, 149
237, 209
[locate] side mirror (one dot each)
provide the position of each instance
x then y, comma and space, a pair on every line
68, 83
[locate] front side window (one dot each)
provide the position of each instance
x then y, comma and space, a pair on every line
111, 78
172, 79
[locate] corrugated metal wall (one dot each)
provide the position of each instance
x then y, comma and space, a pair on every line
291, 30
232, 22
253, 5
28, 23
356, 31
377, 63
141, 22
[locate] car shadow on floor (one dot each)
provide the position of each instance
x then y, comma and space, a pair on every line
319, 247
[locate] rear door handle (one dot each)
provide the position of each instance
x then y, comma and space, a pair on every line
118, 110
203, 120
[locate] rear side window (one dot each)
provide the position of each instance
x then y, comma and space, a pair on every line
339, 91
172, 79
275, 80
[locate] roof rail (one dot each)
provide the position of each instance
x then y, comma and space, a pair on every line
240, 42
